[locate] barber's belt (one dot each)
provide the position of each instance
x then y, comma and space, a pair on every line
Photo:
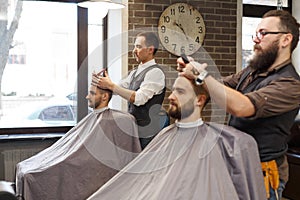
271, 176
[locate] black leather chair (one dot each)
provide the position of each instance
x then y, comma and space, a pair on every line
7, 191
292, 190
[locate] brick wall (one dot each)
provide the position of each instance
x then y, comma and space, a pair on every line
220, 39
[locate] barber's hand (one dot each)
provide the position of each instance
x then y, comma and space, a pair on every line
103, 82
96, 76
181, 64
190, 70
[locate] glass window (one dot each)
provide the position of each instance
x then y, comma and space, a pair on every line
42, 64
57, 113
253, 10
266, 2
248, 29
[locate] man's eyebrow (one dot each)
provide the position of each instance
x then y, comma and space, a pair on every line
261, 29
177, 88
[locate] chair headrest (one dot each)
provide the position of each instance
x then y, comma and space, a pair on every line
7, 191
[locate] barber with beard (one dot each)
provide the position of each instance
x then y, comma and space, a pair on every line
263, 99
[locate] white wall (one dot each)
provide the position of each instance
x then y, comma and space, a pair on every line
296, 54
117, 52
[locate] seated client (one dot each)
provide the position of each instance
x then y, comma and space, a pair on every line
190, 159
85, 158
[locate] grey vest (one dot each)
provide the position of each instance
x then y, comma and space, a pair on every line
147, 115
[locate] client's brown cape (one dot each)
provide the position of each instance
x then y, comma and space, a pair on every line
82, 160
191, 161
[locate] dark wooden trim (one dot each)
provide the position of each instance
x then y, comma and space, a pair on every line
105, 42
36, 130
82, 75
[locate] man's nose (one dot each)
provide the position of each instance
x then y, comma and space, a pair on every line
171, 96
134, 49
255, 39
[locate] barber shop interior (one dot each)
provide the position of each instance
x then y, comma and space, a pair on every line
149, 99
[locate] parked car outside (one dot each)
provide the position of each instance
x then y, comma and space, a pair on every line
72, 96
54, 112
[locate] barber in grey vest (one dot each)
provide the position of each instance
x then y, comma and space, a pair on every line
144, 88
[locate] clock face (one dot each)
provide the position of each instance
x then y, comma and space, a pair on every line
181, 29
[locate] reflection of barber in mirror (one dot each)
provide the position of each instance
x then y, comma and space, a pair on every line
144, 88
85, 158
263, 99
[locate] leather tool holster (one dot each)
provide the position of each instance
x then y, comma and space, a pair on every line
271, 176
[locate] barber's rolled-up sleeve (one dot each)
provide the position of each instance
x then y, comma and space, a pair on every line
153, 84
279, 96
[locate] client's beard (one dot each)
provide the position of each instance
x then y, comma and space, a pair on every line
181, 112
265, 58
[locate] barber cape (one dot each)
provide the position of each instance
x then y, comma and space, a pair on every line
81, 161
187, 161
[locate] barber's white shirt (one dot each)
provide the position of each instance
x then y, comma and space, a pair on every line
153, 83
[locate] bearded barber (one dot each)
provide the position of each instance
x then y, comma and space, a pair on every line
264, 98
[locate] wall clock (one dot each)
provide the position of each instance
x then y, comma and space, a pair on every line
181, 29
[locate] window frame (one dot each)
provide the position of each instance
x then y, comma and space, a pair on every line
82, 76
255, 11
251, 10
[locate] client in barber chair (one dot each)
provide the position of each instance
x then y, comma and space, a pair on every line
190, 159
85, 158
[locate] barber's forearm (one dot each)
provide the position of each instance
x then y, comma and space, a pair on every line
127, 94
227, 98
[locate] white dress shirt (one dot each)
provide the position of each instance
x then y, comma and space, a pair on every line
153, 83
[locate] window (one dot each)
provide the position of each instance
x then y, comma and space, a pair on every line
248, 28
47, 64
266, 2
253, 10
42, 61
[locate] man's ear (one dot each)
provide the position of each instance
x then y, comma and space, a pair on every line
287, 40
151, 49
105, 96
201, 100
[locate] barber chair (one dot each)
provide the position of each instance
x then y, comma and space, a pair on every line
293, 155
7, 191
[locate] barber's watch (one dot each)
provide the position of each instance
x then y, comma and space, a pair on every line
201, 76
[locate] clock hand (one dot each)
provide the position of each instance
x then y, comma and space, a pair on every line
180, 26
